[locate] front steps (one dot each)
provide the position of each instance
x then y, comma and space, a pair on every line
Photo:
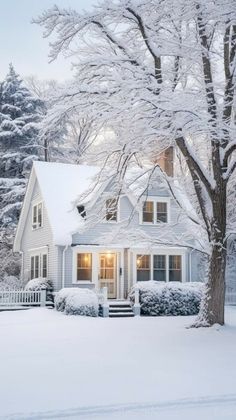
120, 309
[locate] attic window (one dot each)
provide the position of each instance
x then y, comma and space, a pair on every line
37, 216
81, 211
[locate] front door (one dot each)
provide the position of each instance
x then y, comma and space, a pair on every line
107, 273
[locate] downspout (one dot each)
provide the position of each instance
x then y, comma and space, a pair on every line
63, 266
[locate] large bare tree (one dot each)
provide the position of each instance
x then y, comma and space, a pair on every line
168, 68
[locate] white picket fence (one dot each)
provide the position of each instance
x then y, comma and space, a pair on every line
13, 298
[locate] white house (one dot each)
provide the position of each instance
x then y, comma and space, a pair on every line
93, 240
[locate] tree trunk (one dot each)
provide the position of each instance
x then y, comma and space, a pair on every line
212, 308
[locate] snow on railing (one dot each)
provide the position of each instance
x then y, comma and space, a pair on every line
22, 298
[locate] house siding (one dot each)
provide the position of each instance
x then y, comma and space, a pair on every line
38, 238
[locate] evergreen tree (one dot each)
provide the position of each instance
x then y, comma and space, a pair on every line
20, 116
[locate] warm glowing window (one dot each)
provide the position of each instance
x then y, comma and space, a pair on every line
148, 212
84, 267
143, 267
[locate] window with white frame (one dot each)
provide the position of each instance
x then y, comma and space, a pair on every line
175, 268
159, 267
84, 267
148, 212
143, 267
38, 266
161, 212
37, 216
155, 211
111, 210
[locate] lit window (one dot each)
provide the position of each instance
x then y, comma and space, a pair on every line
175, 268
159, 267
84, 267
37, 216
161, 212
143, 267
111, 210
148, 213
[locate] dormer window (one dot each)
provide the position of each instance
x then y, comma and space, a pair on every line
111, 210
161, 212
148, 212
155, 210
81, 211
37, 216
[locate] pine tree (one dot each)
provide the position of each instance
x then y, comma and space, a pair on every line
20, 115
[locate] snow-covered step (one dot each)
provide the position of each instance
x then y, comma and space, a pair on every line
120, 309
121, 315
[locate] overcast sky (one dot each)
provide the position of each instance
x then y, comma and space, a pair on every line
22, 43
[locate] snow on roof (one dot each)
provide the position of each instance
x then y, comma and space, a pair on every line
60, 185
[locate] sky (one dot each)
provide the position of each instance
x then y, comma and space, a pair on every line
22, 43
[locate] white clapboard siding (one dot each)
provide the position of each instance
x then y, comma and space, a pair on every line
13, 298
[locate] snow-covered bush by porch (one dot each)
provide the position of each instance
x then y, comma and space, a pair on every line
73, 301
40, 284
160, 298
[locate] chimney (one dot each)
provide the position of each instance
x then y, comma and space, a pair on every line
166, 161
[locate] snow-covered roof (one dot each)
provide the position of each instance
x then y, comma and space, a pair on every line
60, 185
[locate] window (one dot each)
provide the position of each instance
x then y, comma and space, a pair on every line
84, 267
44, 266
143, 267
111, 210
38, 266
159, 267
34, 268
155, 212
148, 215
37, 216
81, 211
175, 268
161, 212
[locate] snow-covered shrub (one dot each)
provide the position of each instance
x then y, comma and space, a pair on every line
74, 301
11, 283
160, 298
40, 284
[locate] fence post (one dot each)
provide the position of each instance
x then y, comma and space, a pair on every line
136, 307
105, 306
43, 297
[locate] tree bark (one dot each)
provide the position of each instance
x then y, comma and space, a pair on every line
212, 309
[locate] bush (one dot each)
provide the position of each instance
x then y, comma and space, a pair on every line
11, 283
41, 283
160, 298
74, 301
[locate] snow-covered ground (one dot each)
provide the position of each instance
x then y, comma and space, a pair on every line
55, 366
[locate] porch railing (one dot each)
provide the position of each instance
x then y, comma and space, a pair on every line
14, 298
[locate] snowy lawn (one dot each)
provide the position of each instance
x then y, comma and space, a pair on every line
57, 366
